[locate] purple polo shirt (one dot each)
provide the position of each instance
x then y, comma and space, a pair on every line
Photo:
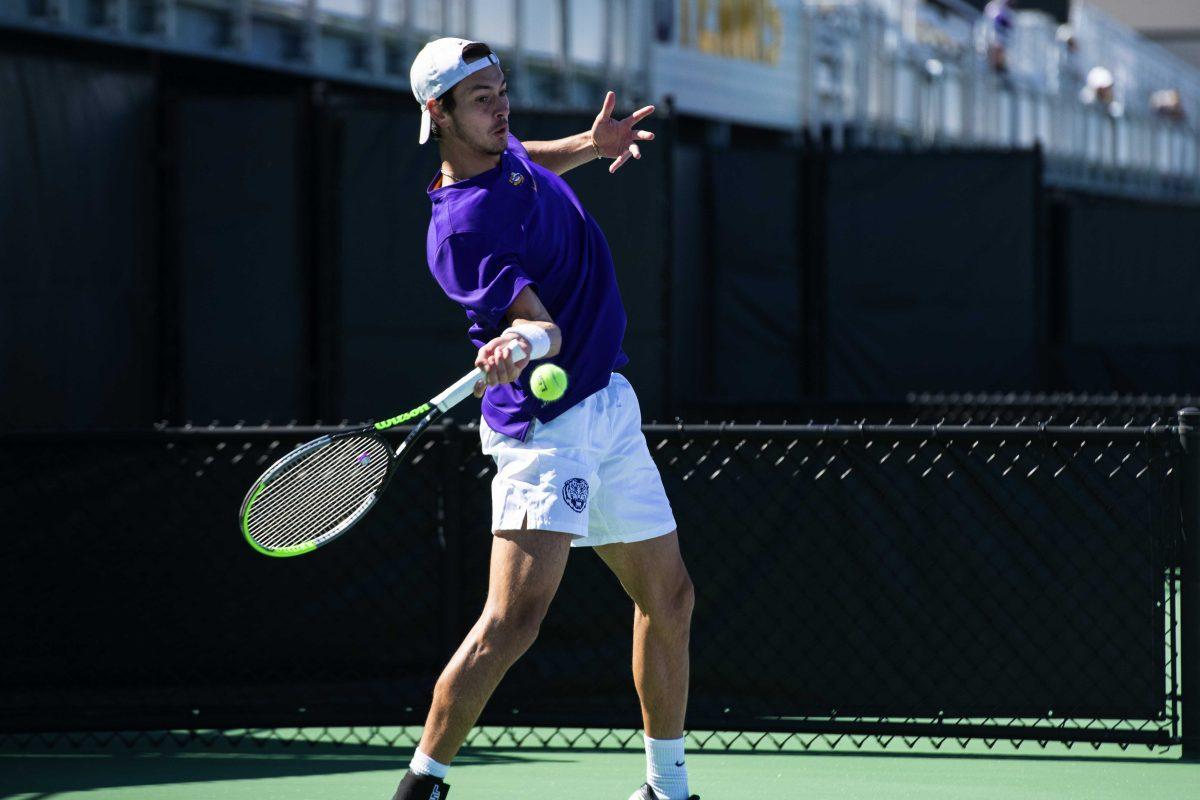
520, 225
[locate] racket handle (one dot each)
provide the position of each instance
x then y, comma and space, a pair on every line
464, 387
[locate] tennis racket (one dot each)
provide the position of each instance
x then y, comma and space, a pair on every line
319, 491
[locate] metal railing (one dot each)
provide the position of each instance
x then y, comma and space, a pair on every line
565, 51
885, 73
908, 73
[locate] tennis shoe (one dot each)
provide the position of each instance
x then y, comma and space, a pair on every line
421, 787
646, 793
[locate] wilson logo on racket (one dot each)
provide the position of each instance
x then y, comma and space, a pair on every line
405, 417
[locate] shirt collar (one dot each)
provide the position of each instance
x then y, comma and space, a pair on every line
479, 180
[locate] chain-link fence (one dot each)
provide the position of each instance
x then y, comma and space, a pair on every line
967, 408
912, 582
1052, 408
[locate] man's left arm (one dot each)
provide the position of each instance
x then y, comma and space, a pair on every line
608, 138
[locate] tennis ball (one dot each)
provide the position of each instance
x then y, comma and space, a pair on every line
549, 381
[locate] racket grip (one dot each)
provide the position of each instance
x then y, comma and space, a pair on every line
464, 387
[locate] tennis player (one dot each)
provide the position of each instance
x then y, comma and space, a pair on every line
512, 245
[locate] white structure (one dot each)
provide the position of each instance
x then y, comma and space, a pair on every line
911, 73
1174, 24
889, 73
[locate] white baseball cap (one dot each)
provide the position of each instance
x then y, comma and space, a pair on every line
439, 66
1099, 78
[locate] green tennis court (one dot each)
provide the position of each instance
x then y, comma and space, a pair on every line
581, 765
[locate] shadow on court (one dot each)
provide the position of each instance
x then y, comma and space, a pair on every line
46, 771
37, 771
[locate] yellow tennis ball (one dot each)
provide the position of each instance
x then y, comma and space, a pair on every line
549, 381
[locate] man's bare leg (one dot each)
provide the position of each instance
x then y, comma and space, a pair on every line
653, 574
526, 569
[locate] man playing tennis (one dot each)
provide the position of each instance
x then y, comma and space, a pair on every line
510, 243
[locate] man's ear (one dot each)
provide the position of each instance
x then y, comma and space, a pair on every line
436, 112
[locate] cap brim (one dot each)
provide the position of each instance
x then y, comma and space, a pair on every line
426, 122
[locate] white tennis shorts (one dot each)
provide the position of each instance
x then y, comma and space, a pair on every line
587, 472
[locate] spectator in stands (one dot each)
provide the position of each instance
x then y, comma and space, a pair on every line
1168, 104
1068, 74
1065, 36
999, 20
1100, 92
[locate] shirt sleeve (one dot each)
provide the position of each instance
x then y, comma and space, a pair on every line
480, 276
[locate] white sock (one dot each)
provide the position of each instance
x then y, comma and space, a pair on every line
422, 764
665, 770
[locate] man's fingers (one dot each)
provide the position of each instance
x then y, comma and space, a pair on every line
610, 102
635, 151
496, 361
645, 136
640, 114
621, 159
510, 368
503, 365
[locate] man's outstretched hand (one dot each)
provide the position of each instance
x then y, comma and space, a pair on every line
619, 139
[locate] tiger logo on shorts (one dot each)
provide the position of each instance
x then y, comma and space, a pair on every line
575, 492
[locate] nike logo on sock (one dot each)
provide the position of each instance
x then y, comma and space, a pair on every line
679, 763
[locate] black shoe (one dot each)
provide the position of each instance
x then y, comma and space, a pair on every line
646, 793
421, 787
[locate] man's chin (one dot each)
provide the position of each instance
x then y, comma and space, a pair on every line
490, 147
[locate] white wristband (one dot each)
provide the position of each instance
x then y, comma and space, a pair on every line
536, 335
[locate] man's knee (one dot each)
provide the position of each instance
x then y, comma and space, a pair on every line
513, 629
670, 603
684, 601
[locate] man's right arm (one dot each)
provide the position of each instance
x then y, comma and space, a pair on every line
494, 357
485, 277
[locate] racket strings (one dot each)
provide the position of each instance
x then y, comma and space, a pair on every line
285, 496
323, 490
312, 520
293, 503
335, 485
332, 449
318, 492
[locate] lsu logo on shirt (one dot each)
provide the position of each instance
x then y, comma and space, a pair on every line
516, 178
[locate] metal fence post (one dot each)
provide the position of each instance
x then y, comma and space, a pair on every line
1189, 436
667, 277
450, 532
